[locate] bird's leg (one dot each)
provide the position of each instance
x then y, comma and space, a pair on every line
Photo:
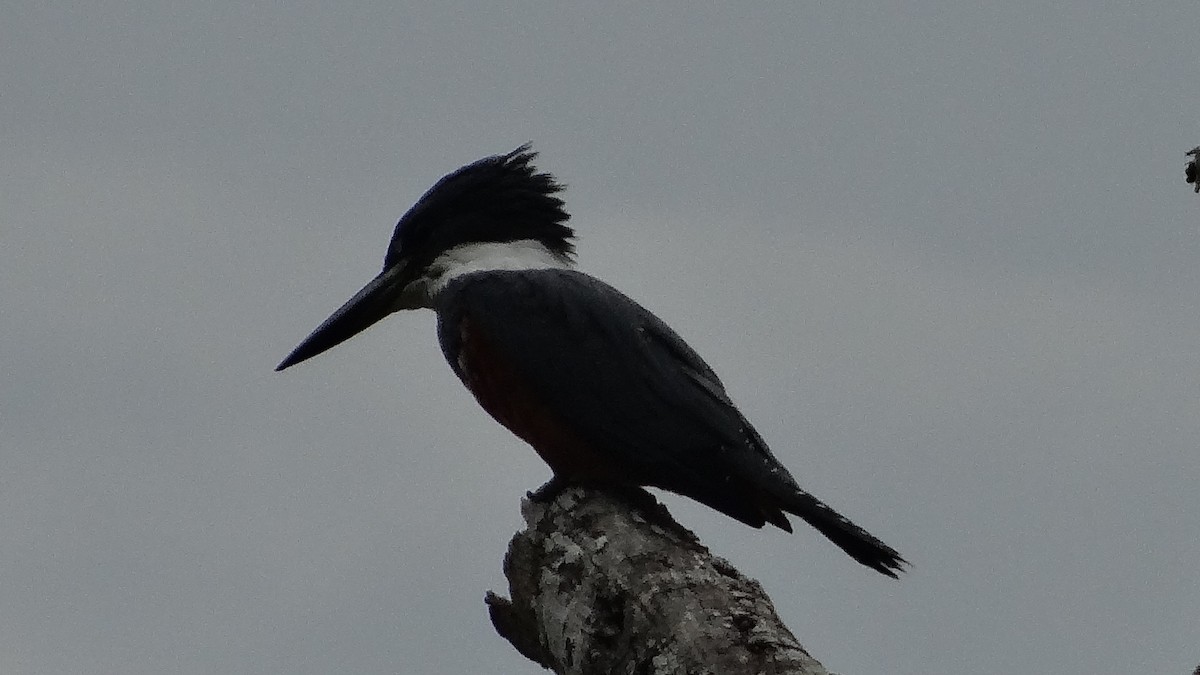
549, 490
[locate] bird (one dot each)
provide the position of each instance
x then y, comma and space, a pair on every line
602, 389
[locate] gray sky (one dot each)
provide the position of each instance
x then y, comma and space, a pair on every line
942, 255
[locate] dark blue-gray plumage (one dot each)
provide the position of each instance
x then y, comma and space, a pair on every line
601, 388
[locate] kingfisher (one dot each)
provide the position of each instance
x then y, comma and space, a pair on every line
602, 389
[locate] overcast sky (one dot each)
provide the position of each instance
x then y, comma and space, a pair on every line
941, 253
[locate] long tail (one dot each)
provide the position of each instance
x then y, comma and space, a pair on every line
851, 538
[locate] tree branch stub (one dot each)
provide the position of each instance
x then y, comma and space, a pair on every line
607, 582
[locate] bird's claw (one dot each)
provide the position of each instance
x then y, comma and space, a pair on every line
548, 491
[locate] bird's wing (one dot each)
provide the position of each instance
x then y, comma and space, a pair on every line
619, 377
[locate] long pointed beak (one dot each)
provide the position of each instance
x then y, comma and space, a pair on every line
375, 301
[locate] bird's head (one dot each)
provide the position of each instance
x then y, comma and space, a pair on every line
496, 213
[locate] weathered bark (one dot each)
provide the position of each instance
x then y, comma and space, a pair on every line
1192, 175
607, 582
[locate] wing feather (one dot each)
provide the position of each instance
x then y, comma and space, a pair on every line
625, 381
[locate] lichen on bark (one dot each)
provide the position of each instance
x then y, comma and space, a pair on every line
607, 582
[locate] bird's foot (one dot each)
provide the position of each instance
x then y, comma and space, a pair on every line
548, 491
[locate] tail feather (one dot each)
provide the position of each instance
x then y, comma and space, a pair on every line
756, 506
855, 541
